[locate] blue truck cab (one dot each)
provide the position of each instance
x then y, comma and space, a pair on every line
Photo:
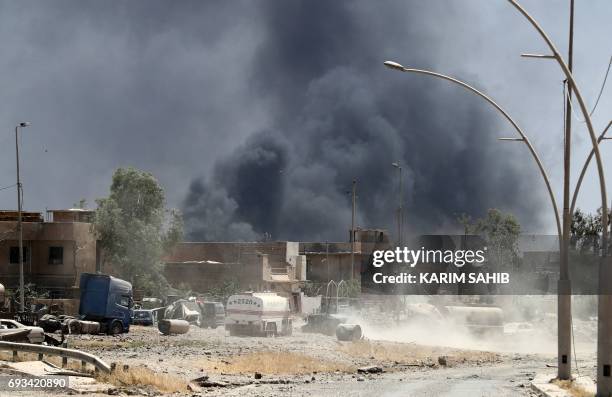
107, 300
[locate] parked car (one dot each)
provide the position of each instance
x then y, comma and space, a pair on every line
13, 331
213, 314
143, 317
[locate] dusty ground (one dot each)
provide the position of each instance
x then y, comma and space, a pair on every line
303, 365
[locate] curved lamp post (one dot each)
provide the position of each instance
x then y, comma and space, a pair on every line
604, 343
601, 137
523, 137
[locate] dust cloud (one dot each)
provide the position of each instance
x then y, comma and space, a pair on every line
504, 324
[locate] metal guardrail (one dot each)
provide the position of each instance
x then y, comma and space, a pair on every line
63, 352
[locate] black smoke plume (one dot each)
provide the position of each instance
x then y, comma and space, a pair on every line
339, 115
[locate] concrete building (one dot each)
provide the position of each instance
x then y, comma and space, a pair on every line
56, 251
332, 260
257, 266
269, 266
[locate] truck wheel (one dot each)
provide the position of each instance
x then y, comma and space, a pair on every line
214, 326
116, 328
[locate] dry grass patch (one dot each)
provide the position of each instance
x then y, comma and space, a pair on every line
572, 388
141, 376
412, 354
275, 363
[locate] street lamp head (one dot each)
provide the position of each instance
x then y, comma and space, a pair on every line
396, 165
394, 65
511, 139
541, 56
25, 124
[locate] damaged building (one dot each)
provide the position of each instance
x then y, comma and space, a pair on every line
257, 266
55, 251
343, 260
272, 265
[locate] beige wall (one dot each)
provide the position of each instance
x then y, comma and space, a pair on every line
248, 263
201, 277
78, 244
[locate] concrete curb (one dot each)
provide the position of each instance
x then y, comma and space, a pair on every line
541, 383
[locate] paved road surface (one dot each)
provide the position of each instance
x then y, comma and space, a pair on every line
508, 379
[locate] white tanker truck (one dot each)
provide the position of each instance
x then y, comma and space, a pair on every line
258, 314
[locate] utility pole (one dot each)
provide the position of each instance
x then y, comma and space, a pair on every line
353, 197
327, 258
399, 208
564, 290
19, 223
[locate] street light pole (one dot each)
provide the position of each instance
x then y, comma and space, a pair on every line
353, 200
19, 223
564, 289
400, 209
604, 345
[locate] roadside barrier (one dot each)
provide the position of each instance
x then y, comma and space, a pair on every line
65, 353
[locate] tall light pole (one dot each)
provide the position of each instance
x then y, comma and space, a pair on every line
400, 209
564, 317
604, 309
564, 288
353, 201
19, 223
604, 342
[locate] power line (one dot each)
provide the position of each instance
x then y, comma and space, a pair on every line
601, 90
602, 87
8, 187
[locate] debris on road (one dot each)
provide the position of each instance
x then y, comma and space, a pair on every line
183, 309
173, 327
372, 369
348, 332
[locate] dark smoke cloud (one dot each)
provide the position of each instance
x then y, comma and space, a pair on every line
256, 116
342, 119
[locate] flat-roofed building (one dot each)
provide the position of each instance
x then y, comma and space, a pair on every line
258, 266
55, 251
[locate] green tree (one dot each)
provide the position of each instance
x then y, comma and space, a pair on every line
585, 231
135, 229
501, 232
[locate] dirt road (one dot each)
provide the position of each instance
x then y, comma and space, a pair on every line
305, 365
498, 380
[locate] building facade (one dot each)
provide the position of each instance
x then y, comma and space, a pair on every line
339, 261
256, 266
55, 252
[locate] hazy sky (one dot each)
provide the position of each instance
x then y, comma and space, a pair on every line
255, 116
